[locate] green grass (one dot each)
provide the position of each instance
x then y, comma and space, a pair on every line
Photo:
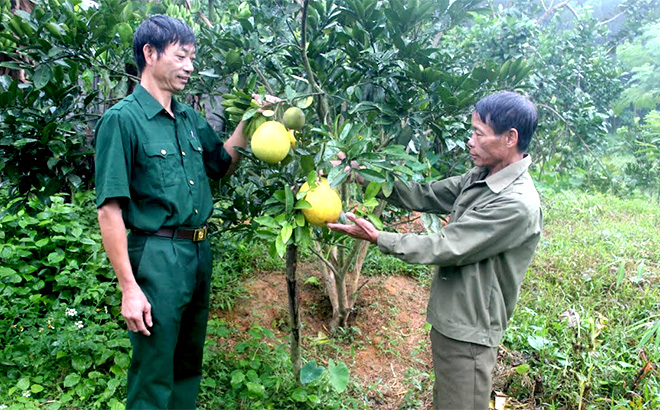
600, 259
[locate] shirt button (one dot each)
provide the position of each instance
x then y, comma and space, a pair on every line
196, 211
191, 182
162, 151
183, 153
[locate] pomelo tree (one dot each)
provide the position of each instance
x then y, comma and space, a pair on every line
374, 85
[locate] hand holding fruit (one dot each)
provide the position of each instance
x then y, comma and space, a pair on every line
361, 229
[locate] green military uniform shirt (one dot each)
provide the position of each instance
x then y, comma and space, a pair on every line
157, 165
482, 254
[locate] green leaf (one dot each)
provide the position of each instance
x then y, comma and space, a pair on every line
279, 246
237, 378
288, 196
621, 273
71, 380
249, 113
299, 395
539, 342
36, 388
337, 176
307, 163
255, 389
523, 368
267, 221
81, 363
41, 76
372, 190
300, 218
286, 232
338, 375
23, 383
302, 204
303, 236
280, 196
371, 175
304, 103
310, 372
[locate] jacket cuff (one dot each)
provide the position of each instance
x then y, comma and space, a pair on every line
387, 241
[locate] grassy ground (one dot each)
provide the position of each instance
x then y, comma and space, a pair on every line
588, 300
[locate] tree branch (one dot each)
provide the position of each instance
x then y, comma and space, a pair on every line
553, 9
602, 23
323, 108
579, 137
324, 260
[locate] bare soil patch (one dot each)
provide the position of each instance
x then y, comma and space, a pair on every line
386, 346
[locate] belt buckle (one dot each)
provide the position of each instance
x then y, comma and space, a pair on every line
199, 234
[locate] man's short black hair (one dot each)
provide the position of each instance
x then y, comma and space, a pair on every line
505, 110
160, 31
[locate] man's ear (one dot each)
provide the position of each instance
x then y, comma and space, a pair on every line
150, 54
512, 138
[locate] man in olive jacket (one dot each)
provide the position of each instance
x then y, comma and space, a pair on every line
481, 255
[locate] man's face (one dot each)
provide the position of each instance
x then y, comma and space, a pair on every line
487, 149
172, 69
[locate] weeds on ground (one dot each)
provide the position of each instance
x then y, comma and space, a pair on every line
256, 374
590, 298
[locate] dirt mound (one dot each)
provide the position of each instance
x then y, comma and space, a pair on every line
386, 345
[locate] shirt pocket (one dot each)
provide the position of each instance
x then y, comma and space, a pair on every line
162, 163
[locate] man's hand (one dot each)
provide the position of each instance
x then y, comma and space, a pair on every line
267, 101
362, 229
136, 310
348, 168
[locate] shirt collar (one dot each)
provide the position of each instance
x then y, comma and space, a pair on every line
505, 177
149, 104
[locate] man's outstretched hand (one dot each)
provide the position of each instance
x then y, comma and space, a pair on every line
361, 228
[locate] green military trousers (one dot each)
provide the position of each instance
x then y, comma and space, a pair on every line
175, 276
462, 373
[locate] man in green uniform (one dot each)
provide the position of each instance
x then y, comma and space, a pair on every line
482, 254
154, 156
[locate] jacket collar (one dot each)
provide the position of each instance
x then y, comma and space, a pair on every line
149, 104
505, 177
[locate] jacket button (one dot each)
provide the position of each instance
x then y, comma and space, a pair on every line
191, 182
183, 153
162, 151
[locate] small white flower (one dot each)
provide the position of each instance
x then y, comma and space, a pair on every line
71, 312
79, 324
89, 3
3, 406
26, 393
105, 308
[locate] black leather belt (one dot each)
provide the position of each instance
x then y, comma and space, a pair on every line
193, 234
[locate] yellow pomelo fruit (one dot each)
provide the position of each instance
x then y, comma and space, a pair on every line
270, 142
294, 118
292, 138
325, 201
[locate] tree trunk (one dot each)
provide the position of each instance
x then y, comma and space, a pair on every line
294, 307
353, 276
331, 290
342, 299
